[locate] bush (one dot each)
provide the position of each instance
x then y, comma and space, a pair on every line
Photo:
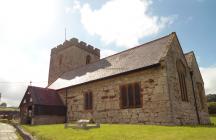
212, 107
211, 97
3, 105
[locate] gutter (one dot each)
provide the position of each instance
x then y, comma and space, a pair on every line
66, 103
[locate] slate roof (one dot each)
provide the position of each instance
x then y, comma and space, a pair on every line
43, 96
142, 56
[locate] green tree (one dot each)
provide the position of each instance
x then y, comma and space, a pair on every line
3, 105
211, 97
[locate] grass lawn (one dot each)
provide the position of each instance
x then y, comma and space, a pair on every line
125, 132
19, 137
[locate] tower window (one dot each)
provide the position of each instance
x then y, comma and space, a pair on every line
181, 75
88, 59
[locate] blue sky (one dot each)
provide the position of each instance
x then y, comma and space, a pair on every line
30, 28
195, 26
193, 20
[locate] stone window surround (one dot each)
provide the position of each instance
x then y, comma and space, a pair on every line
139, 105
88, 100
182, 82
88, 59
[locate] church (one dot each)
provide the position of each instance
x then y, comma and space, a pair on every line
153, 83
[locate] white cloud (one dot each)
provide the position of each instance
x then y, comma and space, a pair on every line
12, 92
23, 24
209, 77
75, 6
18, 70
26, 19
106, 52
123, 22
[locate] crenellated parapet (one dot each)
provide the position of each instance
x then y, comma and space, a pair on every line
77, 43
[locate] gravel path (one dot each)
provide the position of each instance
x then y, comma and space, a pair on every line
7, 132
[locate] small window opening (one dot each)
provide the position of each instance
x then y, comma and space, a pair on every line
88, 59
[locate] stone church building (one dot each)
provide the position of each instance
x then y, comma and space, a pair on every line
153, 83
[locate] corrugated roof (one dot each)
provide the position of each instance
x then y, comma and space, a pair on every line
135, 58
45, 96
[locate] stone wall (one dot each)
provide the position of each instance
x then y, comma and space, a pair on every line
197, 78
106, 99
47, 119
71, 54
160, 96
182, 112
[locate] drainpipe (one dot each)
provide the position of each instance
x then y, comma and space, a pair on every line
195, 103
66, 103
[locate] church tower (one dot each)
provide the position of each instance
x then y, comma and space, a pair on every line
70, 55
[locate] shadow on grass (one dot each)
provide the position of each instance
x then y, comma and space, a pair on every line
212, 125
204, 126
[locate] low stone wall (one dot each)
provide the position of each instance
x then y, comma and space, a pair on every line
25, 135
47, 119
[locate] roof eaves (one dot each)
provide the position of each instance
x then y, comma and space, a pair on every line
127, 72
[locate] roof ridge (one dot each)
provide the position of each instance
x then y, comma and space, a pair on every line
46, 88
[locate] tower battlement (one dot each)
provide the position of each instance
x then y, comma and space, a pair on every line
71, 55
75, 42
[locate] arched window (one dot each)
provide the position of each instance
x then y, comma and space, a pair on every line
181, 75
88, 59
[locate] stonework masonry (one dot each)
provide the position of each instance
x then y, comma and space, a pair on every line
160, 95
106, 100
153, 83
170, 95
70, 55
183, 112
